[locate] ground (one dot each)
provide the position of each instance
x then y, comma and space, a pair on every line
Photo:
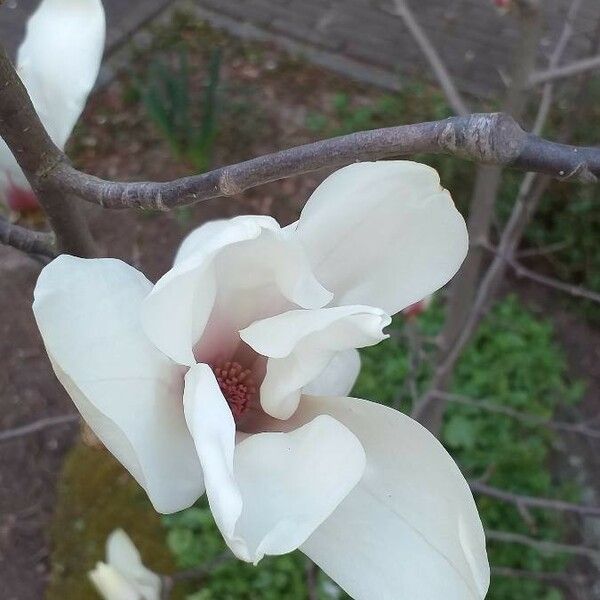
272, 102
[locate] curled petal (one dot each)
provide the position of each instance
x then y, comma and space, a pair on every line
383, 234
338, 377
410, 528
301, 343
271, 492
232, 272
212, 426
129, 393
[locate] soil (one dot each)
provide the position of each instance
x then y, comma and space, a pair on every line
270, 97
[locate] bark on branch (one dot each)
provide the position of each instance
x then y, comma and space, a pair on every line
30, 242
493, 138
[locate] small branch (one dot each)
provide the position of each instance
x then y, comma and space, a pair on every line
560, 578
533, 502
11, 434
442, 75
567, 288
311, 571
543, 546
527, 418
555, 58
22, 130
30, 242
488, 138
574, 68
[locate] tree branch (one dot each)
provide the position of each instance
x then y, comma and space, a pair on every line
555, 59
570, 70
488, 138
30, 242
572, 290
443, 77
546, 547
22, 130
527, 418
10, 434
557, 578
533, 502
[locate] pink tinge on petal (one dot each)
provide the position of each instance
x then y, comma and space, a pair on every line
20, 199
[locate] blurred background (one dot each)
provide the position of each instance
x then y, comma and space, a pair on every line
191, 85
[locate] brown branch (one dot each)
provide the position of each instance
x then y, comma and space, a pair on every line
532, 501
555, 59
487, 138
527, 418
443, 77
544, 546
564, 579
572, 290
22, 130
11, 434
570, 70
30, 242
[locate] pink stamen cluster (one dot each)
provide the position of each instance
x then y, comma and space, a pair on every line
237, 384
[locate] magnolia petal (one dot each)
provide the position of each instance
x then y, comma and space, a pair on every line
58, 33
301, 343
383, 234
270, 493
410, 528
212, 426
59, 61
244, 268
339, 375
130, 394
122, 555
111, 585
291, 482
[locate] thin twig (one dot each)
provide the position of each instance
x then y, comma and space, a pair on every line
532, 501
30, 242
543, 250
17, 432
555, 58
443, 77
567, 288
574, 68
561, 578
311, 571
543, 546
527, 418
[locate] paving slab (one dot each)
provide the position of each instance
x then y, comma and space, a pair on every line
124, 17
359, 38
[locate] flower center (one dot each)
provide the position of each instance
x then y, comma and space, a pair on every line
237, 384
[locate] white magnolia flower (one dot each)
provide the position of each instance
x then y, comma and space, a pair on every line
230, 376
58, 63
123, 576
